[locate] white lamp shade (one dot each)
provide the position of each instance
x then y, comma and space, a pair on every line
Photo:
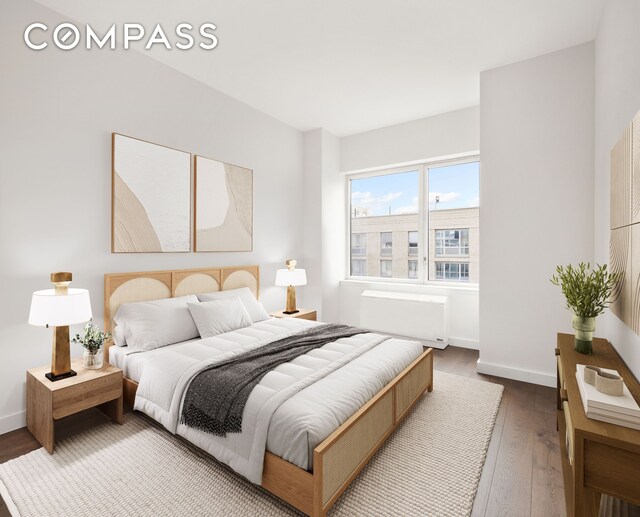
57, 310
287, 277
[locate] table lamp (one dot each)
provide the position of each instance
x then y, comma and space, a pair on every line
291, 277
59, 308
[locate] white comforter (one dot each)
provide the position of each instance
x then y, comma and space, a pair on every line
293, 408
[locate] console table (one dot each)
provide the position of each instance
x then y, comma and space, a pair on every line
597, 457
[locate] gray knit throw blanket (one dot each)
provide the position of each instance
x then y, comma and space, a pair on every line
216, 397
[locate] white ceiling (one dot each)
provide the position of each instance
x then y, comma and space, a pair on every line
353, 65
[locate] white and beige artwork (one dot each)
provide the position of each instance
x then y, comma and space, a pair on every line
624, 246
151, 197
224, 206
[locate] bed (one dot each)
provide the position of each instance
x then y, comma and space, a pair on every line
309, 467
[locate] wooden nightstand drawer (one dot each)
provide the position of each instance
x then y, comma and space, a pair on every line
89, 394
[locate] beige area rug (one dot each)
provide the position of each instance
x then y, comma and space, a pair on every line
430, 466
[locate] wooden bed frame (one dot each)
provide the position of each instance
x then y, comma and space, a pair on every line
341, 456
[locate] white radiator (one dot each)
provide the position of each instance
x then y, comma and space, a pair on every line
419, 316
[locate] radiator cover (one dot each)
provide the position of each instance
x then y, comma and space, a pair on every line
419, 316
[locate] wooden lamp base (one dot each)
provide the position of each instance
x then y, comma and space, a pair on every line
60, 355
291, 301
61, 350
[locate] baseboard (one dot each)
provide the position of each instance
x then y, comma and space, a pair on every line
13, 421
517, 374
461, 342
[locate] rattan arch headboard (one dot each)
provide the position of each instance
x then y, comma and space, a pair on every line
122, 288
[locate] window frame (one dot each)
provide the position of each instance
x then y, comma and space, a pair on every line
449, 263
409, 262
411, 248
383, 249
352, 248
423, 214
459, 247
387, 261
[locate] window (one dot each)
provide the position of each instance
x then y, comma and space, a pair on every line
413, 269
358, 244
386, 268
452, 242
419, 215
413, 244
453, 220
358, 267
386, 244
456, 271
383, 209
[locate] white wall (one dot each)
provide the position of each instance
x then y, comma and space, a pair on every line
617, 100
450, 134
333, 227
58, 112
311, 259
431, 137
537, 187
324, 223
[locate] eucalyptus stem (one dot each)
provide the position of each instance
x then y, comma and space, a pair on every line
92, 338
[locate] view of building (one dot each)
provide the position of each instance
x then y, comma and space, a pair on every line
387, 245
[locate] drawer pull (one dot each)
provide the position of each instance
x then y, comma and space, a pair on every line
569, 432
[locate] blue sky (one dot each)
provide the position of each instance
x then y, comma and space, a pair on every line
456, 186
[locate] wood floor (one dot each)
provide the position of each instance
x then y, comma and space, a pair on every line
522, 475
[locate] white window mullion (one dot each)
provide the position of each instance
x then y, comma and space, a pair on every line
423, 257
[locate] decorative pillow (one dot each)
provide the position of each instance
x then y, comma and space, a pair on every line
254, 307
149, 325
118, 336
219, 316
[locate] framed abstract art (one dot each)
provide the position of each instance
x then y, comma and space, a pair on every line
223, 214
151, 197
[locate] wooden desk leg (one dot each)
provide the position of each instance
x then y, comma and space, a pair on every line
113, 409
40, 414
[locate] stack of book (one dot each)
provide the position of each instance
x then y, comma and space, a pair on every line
622, 410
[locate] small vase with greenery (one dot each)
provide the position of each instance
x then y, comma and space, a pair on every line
587, 292
92, 340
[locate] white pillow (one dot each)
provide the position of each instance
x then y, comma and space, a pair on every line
254, 307
149, 325
118, 336
219, 316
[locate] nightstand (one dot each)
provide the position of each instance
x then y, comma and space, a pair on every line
49, 401
304, 314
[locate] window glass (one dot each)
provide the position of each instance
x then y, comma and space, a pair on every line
358, 244
358, 267
386, 244
413, 244
452, 242
452, 271
419, 223
412, 269
453, 221
384, 212
386, 268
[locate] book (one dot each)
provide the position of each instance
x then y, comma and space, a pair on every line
607, 412
616, 422
625, 404
609, 418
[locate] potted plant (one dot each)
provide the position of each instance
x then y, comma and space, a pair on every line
587, 292
92, 340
